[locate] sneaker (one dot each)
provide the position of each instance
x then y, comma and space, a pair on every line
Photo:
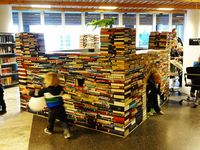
160, 113
3, 112
48, 131
150, 114
194, 106
67, 135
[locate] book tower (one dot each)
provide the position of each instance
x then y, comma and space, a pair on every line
125, 79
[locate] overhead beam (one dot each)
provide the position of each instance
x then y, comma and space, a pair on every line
96, 10
97, 4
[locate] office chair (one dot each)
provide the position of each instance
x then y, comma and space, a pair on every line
193, 74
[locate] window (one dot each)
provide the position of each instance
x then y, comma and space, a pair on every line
178, 23
145, 27
162, 22
73, 19
31, 20
73, 30
129, 20
52, 18
116, 16
91, 16
53, 32
90, 29
15, 18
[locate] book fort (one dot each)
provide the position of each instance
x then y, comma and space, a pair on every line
105, 90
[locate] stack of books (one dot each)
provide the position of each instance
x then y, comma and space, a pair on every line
164, 40
89, 41
154, 38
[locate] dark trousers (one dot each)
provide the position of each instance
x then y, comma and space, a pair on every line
152, 102
2, 105
192, 90
2, 102
57, 113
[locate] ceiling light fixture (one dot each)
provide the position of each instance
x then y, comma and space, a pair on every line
165, 8
41, 6
108, 7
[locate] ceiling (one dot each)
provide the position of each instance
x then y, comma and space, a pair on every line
180, 6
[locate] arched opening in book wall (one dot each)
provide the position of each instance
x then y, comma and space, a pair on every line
164, 86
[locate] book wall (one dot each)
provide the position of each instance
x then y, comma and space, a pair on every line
159, 40
120, 43
164, 41
77, 71
154, 40
158, 61
106, 91
29, 67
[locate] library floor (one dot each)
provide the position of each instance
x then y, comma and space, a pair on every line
177, 129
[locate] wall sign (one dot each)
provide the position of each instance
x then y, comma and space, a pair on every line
194, 41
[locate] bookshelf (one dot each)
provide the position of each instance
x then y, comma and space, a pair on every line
8, 65
105, 91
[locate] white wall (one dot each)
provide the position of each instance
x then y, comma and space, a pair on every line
192, 30
5, 18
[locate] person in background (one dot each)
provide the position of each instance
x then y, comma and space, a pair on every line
52, 93
197, 63
152, 92
177, 51
177, 45
2, 101
174, 36
192, 90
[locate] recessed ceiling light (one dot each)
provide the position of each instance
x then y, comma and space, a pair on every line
41, 6
165, 8
107, 7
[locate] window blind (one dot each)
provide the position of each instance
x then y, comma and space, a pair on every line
31, 18
52, 18
178, 19
15, 18
91, 16
129, 20
146, 19
73, 19
116, 16
162, 19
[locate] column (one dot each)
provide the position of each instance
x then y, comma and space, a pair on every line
5, 18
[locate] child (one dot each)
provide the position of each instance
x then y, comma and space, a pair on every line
2, 102
53, 96
152, 91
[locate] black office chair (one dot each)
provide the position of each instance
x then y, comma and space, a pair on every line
193, 74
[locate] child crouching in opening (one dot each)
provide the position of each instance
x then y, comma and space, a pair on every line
152, 92
52, 93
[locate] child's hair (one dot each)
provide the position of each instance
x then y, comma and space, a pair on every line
174, 29
51, 79
157, 77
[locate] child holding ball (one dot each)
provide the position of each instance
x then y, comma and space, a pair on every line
52, 93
